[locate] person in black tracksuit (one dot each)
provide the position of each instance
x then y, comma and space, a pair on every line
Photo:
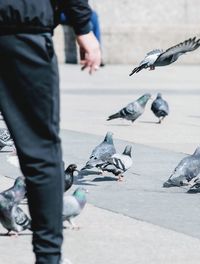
29, 101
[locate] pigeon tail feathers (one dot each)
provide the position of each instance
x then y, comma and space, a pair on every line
114, 116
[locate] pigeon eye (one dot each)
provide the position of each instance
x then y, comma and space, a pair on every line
95, 158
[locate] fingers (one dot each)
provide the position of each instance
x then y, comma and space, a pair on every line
91, 62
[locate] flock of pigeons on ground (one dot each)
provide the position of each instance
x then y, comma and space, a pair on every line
104, 156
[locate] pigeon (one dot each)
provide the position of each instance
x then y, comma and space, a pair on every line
12, 217
187, 169
133, 110
17, 192
119, 163
160, 107
5, 134
101, 153
5, 139
73, 205
159, 57
69, 177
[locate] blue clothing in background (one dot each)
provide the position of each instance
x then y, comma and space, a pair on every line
94, 21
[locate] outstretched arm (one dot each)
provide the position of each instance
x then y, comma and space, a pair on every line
89, 51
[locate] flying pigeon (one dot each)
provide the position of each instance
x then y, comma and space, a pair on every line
12, 217
5, 139
101, 153
69, 176
119, 163
187, 169
133, 110
160, 107
73, 205
159, 57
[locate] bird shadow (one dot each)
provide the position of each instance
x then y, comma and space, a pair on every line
86, 172
106, 178
84, 183
13, 235
118, 124
149, 122
194, 116
6, 151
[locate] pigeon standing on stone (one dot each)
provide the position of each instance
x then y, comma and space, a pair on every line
73, 205
69, 176
160, 107
5, 139
187, 169
12, 217
101, 153
162, 58
133, 110
119, 163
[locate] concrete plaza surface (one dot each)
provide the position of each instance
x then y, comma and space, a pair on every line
136, 221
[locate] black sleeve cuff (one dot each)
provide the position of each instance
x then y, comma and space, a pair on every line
84, 29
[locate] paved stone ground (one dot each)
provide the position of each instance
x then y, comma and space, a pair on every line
136, 221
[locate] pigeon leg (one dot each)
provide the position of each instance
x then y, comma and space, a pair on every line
74, 226
14, 234
152, 67
14, 151
120, 178
8, 233
102, 173
159, 121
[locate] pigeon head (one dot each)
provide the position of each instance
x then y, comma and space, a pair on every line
127, 150
19, 189
108, 138
159, 95
144, 99
80, 195
20, 183
71, 168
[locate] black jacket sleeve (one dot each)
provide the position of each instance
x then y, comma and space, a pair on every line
79, 14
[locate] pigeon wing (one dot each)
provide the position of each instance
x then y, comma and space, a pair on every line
183, 47
71, 207
21, 219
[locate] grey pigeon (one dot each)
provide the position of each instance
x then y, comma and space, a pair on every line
17, 192
119, 163
101, 153
160, 107
5, 139
133, 110
162, 58
12, 217
187, 169
73, 205
69, 176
